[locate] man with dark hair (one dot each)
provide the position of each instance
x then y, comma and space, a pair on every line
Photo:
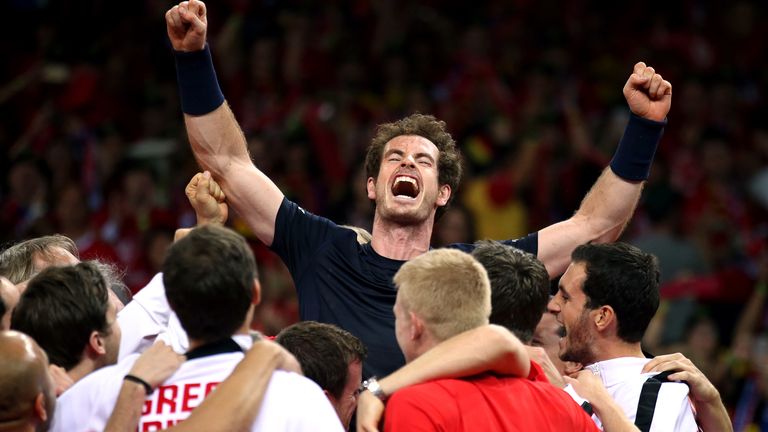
23, 260
68, 312
27, 400
413, 170
519, 287
604, 302
210, 282
331, 357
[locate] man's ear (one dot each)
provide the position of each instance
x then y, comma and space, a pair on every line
96, 344
415, 326
370, 186
604, 318
443, 195
41, 411
256, 292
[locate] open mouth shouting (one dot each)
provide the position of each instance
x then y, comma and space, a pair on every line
405, 187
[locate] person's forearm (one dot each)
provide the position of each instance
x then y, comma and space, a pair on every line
484, 349
713, 417
216, 139
237, 400
609, 206
127, 412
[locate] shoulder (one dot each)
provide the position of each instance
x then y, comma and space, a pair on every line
292, 386
426, 395
99, 381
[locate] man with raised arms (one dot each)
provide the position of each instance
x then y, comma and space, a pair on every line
413, 169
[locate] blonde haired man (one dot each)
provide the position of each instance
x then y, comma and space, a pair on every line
441, 294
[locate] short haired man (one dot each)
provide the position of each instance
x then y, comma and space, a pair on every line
25, 259
413, 170
27, 399
67, 310
519, 287
441, 294
605, 301
331, 357
211, 284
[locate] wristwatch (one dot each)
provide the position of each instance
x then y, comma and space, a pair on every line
372, 385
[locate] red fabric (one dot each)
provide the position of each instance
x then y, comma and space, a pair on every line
486, 403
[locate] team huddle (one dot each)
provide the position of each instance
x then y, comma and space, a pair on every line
394, 335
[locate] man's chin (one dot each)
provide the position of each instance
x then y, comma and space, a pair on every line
403, 215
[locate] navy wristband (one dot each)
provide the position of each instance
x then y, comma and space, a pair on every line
634, 156
198, 86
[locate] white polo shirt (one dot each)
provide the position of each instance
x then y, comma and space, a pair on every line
291, 403
148, 317
623, 379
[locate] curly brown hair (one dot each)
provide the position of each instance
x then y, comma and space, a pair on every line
449, 164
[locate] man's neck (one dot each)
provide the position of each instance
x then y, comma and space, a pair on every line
244, 330
400, 242
82, 369
613, 349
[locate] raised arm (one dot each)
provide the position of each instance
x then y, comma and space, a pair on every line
488, 348
216, 139
609, 205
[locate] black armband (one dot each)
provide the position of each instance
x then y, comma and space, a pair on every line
198, 85
634, 156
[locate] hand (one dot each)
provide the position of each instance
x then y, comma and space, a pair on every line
539, 355
647, 93
157, 364
61, 380
187, 24
702, 389
207, 199
370, 411
588, 385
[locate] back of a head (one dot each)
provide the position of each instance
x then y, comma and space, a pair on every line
446, 288
60, 309
623, 277
17, 263
114, 278
23, 380
519, 287
324, 352
209, 279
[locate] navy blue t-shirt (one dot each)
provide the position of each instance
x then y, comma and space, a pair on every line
342, 282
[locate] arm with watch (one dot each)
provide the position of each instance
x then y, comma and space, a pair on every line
489, 348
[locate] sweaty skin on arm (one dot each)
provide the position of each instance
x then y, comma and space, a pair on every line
489, 348
218, 142
609, 205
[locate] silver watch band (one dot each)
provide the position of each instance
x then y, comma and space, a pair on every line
372, 385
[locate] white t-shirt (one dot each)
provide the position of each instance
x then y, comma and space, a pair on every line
148, 317
291, 403
623, 379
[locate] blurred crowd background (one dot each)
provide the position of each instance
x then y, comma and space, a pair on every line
93, 143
